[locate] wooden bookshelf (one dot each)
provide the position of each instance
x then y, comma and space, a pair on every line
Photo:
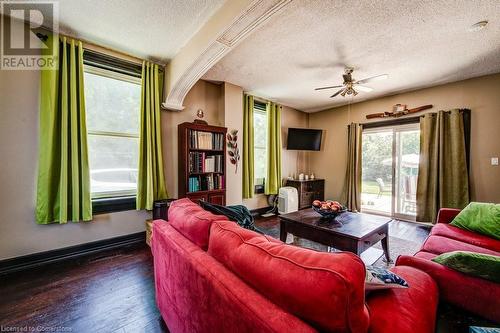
202, 162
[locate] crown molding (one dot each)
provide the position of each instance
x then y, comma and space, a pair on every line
247, 22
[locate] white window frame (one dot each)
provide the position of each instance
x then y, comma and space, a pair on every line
259, 182
123, 77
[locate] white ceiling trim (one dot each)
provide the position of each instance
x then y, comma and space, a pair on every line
250, 20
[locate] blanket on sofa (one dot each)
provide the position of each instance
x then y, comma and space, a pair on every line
237, 213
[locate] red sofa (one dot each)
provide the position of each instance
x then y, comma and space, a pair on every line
213, 276
476, 295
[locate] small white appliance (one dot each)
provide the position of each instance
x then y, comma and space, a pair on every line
288, 200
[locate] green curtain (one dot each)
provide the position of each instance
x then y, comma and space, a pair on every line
352, 186
442, 175
63, 189
248, 147
273, 176
151, 180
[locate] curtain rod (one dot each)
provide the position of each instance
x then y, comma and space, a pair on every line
261, 99
102, 49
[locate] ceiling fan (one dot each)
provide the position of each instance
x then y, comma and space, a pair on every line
350, 86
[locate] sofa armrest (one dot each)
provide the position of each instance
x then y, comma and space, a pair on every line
420, 263
446, 215
471, 293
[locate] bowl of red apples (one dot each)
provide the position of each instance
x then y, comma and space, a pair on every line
328, 209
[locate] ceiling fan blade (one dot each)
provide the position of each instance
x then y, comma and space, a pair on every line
338, 92
373, 78
363, 88
331, 87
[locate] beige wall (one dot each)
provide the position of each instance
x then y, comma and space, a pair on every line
481, 95
233, 120
204, 95
19, 234
293, 162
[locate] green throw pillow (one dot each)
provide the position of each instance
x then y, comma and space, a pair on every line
483, 218
471, 263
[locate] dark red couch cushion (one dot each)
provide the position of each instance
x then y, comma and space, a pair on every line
405, 310
192, 221
477, 295
439, 244
449, 231
324, 289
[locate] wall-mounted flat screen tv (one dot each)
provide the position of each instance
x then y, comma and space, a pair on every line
304, 139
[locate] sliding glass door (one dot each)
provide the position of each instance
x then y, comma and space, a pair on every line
376, 171
407, 141
390, 158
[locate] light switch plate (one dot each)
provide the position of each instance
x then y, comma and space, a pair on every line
494, 161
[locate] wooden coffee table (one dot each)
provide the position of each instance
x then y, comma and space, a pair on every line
353, 232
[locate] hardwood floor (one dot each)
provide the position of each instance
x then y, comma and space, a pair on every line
108, 292
114, 292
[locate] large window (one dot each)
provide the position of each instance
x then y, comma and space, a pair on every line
260, 145
112, 102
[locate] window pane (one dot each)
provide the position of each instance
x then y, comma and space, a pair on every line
113, 165
112, 105
260, 146
260, 129
376, 187
260, 164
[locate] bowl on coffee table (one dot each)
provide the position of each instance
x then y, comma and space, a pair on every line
328, 209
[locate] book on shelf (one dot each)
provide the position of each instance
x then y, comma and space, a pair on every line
206, 140
194, 184
208, 182
201, 162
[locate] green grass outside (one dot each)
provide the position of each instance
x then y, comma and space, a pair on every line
371, 187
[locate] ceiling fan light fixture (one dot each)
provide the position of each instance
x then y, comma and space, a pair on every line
351, 86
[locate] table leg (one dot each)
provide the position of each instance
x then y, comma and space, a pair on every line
283, 232
385, 247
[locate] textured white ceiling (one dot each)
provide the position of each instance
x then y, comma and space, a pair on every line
419, 43
154, 29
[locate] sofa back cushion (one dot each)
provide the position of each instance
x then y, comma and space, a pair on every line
324, 289
192, 221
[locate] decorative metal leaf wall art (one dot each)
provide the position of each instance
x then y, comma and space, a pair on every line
232, 148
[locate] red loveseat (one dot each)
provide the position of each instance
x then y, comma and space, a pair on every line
213, 276
476, 295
